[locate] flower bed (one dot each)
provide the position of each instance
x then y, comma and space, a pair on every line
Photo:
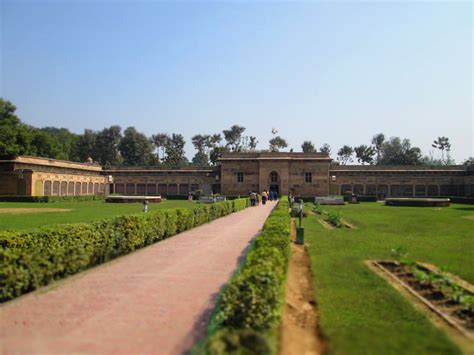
34, 258
448, 296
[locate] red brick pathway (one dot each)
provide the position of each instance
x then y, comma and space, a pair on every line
157, 300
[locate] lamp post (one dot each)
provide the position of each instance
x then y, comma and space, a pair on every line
300, 229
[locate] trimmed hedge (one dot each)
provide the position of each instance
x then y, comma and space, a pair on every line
249, 310
31, 259
49, 199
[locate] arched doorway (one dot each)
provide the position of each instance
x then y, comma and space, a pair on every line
274, 182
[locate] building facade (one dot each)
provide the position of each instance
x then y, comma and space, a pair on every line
302, 174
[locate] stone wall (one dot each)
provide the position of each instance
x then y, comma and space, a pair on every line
401, 181
162, 181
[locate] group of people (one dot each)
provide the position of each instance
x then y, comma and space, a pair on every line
264, 196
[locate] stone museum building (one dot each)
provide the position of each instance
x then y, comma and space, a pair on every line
302, 174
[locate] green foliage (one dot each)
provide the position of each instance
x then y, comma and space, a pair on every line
344, 155
135, 148
308, 147
48, 199
277, 143
33, 258
237, 342
335, 219
250, 306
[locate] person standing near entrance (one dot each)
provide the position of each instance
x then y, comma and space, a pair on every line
264, 197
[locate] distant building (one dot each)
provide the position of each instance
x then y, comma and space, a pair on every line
302, 174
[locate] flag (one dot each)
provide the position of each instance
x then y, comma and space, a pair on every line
274, 130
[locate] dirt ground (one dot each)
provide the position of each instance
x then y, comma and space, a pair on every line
31, 210
300, 334
469, 217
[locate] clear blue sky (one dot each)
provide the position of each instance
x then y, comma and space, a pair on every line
329, 72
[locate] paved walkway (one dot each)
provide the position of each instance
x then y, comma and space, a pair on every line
157, 300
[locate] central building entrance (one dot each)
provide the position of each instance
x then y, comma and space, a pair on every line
274, 182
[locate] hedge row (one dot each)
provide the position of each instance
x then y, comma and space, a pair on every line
31, 259
248, 314
48, 199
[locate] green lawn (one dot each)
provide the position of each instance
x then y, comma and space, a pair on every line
80, 212
360, 312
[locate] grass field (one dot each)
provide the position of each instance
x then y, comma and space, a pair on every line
78, 212
360, 312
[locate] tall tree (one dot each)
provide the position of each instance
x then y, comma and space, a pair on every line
233, 137
344, 155
86, 146
308, 147
160, 140
15, 137
65, 140
135, 148
277, 143
399, 152
442, 143
202, 143
377, 142
325, 149
364, 154
106, 146
45, 145
253, 143
175, 151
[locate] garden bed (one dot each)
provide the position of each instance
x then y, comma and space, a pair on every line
418, 202
449, 297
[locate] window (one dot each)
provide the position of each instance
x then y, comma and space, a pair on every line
240, 177
308, 177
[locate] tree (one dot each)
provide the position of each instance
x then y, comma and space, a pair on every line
277, 143
344, 155
233, 137
202, 144
399, 152
15, 137
174, 150
65, 140
45, 145
308, 147
253, 143
86, 146
135, 148
364, 154
216, 148
442, 143
325, 149
106, 146
160, 140
377, 142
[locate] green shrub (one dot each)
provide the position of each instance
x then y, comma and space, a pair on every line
34, 258
249, 309
49, 199
246, 341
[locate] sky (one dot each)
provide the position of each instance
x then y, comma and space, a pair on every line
333, 72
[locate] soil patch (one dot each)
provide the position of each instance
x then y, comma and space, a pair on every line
299, 329
471, 217
31, 210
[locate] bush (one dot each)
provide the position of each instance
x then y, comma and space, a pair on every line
249, 309
49, 199
31, 259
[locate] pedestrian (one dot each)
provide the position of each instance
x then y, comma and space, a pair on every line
271, 195
264, 197
275, 195
145, 206
252, 198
